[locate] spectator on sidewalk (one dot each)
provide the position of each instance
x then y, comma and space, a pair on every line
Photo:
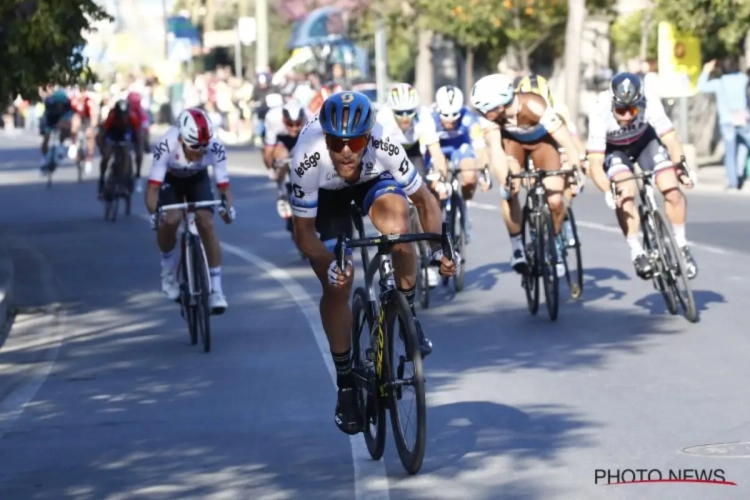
730, 89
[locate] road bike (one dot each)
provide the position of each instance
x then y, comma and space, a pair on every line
456, 215
379, 377
424, 259
55, 155
119, 183
669, 273
81, 152
193, 274
539, 241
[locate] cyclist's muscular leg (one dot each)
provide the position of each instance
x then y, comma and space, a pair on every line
390, 215
166, 236
204, 221
546, 157
468, 177
511, 208
627, 212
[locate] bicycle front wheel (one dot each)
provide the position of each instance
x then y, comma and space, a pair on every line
364, 365
459, 238
201, 293
654, 245
548, 258
676, 270
531, 276
410, 445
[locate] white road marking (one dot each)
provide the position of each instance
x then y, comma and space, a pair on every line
14, 404
616, 230
370, 480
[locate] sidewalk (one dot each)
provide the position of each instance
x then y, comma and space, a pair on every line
712, 178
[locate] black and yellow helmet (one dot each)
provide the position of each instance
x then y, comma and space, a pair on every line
536, 84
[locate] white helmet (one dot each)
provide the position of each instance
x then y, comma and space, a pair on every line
293, 111
449, 101
403, 97
492, 91
195, 127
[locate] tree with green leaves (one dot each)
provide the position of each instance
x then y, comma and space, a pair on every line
41, 42
722, 25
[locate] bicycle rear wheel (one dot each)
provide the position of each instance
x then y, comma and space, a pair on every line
548, 258
530, 279
364, 359
654, 246
202, 290
573, 273
676, 270
397, 312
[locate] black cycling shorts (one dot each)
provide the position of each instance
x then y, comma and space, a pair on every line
647, 150
196, 187
334, 206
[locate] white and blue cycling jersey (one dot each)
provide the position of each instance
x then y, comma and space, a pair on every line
460, 142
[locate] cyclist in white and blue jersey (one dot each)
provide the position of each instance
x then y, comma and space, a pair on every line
461, 139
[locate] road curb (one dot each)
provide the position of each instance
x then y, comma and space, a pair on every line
6, 289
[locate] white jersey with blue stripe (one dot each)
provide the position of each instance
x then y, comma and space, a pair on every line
312, 168
467, 131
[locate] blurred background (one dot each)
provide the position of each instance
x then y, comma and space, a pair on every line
216, 53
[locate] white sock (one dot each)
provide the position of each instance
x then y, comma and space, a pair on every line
679, 235
215, 273
516, 243
636, 249
167, 260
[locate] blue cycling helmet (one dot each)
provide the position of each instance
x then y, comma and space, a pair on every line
347, 114
59, 95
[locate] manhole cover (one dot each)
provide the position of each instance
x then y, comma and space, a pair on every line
721, 450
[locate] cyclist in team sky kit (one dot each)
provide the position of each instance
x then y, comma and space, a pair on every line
344, 156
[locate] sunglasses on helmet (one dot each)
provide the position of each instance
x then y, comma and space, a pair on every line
337, 144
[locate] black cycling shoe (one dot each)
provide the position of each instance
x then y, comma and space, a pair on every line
692, 267
643, 266
425, 344
348, 417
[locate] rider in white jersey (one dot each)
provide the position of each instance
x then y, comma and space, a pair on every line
629, 124
410, 124
179, 173
283, 125
342, 157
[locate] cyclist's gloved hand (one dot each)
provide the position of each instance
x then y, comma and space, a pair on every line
227, 214
336, 277
610, 200
447, 267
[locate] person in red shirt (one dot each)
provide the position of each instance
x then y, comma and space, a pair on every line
134, 99
87, 114
321, 95
123, 124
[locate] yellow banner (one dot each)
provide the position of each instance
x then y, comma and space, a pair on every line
679, 62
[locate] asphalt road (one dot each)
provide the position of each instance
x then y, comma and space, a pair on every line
101, 395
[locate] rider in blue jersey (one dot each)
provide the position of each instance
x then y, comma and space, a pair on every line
58, 113
461, 139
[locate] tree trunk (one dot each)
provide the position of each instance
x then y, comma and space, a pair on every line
469, 70
209, 22
424, 69
573, 34
645, 31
